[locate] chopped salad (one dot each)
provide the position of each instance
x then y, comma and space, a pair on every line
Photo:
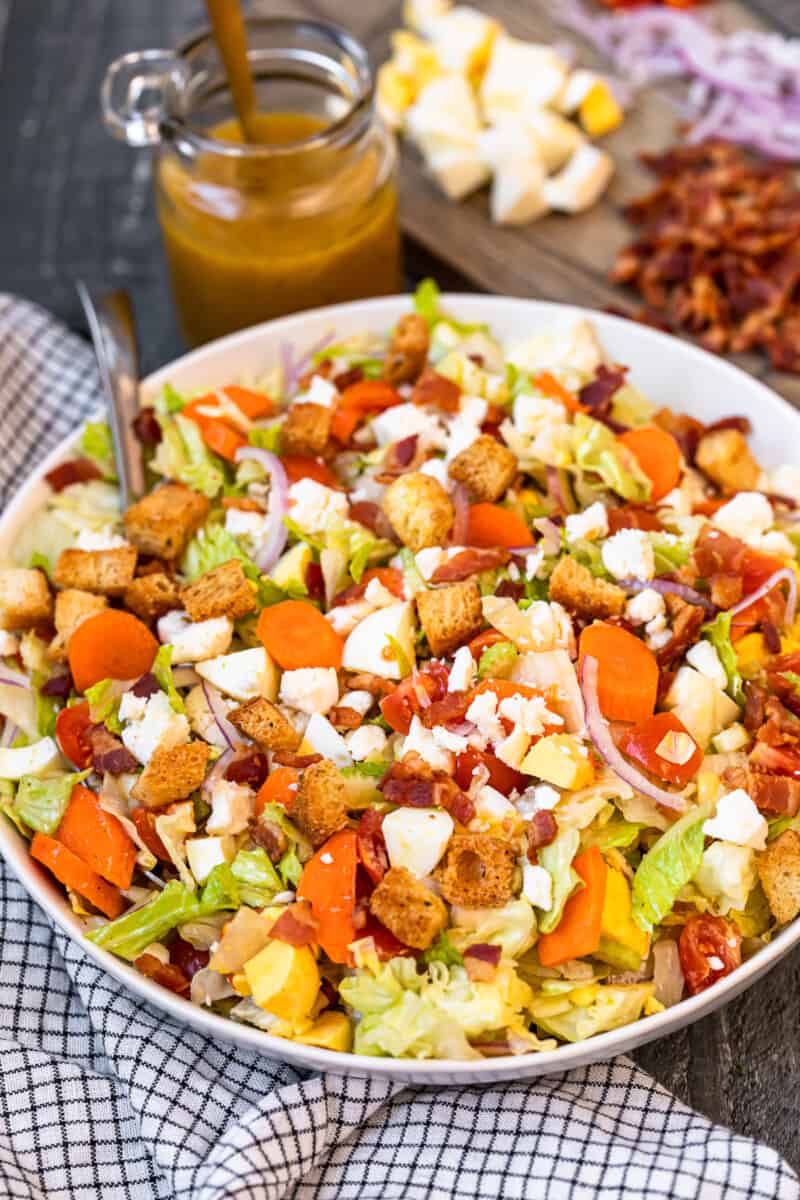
440, 699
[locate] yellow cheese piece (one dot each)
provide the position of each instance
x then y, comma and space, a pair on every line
240, 985
616, 921
750, 651
599, 111
560, 759
331, 1031
284, 980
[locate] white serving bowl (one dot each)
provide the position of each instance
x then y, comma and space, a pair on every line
670, 373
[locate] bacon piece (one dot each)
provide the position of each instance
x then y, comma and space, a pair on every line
296, 925
686, 622
346, 379
169, 976
372, 517
77, 470
376, 685
542, 831
470, 562
315, 581
481, 961
400, 458
726, 590
452, 707
146, 426
597, 395
145, 821
433, 790
686, 430
108, 752
186, 957
343, 717
286, 758
251, 770
371, 845
434, 389
768, 791
755, 698
632, 516
270, 837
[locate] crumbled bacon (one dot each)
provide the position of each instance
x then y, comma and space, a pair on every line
686, 430
481, 961
314, 581
343, 717
433, 388
633, 516
755, 699
429, 789
376, 685
186, 957
77, 470
286, 758
296, 925
542, 831
169, 976
250, 770
596, 395
686, 622
401, 457
726, 590
717, 250
108, 752
470, 562
451, 707
270, 837
346, 379
372, 517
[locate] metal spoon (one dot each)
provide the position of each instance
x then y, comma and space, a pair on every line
111, 324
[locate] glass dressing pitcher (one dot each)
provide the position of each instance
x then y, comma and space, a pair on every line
253, 231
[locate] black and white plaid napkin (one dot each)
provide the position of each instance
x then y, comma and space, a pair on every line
103, 1097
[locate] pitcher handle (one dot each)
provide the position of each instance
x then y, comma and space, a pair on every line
140, 90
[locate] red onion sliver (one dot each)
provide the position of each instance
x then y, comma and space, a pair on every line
10, 731
14, 678
600, 734
214, 702
276, 533
669, 587
555, 489
218, 770
784, 575
458, 534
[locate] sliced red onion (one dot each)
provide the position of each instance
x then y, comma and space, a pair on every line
784, 575
294, 368
669, 587
555, 489
458, 534
276, 532
218, 770
667, 972
10, 731
551, 535
14, 678
485, 952
217, 709
600, 735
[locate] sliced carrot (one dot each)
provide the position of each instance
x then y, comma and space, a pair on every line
110, 645
252, 404
490, 525
359, 401
627, 671
297, 635
76, 875
658, 454
97, 837
578, 932
504, 688
303, 466
548, 384
278, 788
328, 883
390, 577
218, 435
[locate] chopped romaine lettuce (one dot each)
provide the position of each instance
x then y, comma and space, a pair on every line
426, 303
129, 934
211, 547
557, 861
669, 552
597, 451
718, 633
162, 669
512, 927
496, 661
443, 951
96, 444
611, 1007
41, 803
104, 699
616, 834
414, 581
258, 880
670, 864
46, 707
630, 407
183, 455
266, 439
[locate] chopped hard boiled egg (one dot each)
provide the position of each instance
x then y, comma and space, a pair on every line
416, 838
581, 182
243, 675
381, 640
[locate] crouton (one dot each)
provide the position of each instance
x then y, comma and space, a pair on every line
779, 872
162, 523
486, 468
150, 596
223, 592
574, 586
408, 909
106, 572
265, 724
450, 615
320, 806
306, 429
73, 607
25, 599
171, 775
419, 510
724, 455
477, 871
408, 350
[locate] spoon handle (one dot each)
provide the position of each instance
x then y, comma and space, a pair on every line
113, 332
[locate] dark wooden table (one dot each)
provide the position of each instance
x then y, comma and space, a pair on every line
73, 203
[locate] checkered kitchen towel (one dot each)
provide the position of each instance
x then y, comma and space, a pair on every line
102, 1097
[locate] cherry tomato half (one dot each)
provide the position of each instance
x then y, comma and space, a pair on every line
710, 948
71, 725
641, 743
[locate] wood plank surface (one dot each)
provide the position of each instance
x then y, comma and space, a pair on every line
75, 203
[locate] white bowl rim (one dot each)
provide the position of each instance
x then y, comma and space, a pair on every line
445, 1072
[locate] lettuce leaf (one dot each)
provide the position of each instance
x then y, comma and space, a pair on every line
496, 661
256, 877
46, 707
183, 455
266, 439
616, 834
211, 547
426, 303
290, 867
443, 951
598, 451
718, 633
612, 1006
41, 803
669, 553
557, 861
162, 669
104, 701
413, 578
129, 934
668, 866
97, 445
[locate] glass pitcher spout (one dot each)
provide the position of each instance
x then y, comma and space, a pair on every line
139, 92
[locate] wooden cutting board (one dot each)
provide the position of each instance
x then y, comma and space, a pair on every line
559, 257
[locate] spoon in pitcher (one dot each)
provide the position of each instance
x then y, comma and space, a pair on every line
111, 325
227, 24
